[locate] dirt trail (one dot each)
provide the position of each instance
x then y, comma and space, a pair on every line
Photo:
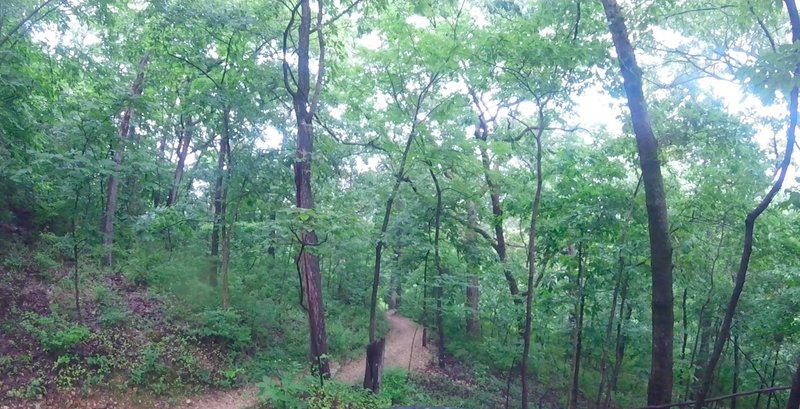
402, 332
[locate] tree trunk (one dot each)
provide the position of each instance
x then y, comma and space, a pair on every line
437, 261
481, 133
374, 371
219, 213
659, 386
376, 272
604, 359
424, 319
473, 311
774, 374
473, 287
750, 221
537, 199
794, 395
621, 340
578, 333
304, 113
182, 152
735, 387
112, 193
226, 229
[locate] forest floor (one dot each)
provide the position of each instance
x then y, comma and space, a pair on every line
403, 349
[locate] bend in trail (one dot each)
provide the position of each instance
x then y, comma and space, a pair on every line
403, 344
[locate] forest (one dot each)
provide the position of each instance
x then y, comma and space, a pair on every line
359, 204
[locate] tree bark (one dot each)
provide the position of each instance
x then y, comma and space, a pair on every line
532, 275
374, 371
424, 318
437, 262
182, 152
473, 287
794, 395
304, 113
750, 221
226, 229
473, 311
376, 272
774, 374
219, 211
604, 359
112, 192
735, 387
659, 386
500, 247
577, 333
621, 340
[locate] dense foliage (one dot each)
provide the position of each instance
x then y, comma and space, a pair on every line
151, 235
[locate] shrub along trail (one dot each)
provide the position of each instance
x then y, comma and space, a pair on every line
403, 333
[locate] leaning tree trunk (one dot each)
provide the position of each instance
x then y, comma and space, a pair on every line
304, 107
537, 199
112, 193
659, 386
372, 380
750, 221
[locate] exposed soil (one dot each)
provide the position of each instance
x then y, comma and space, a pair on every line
403, 350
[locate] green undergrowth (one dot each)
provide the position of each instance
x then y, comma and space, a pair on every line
155, 327
288, 392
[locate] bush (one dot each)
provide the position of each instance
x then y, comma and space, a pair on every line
306, 393
167, 365
222, 325
54, 333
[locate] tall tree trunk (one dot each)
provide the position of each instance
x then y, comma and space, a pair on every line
437, 262
424, 318
500, 247
304, 108
750, 221
774, 374
577, 335
604, 359
659, 385
182, 152
112, 192
473, 286
735, 387
372, 380
225, 148
794, 395
376, 273
537, 199
625, 311
473, 308
219, 213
